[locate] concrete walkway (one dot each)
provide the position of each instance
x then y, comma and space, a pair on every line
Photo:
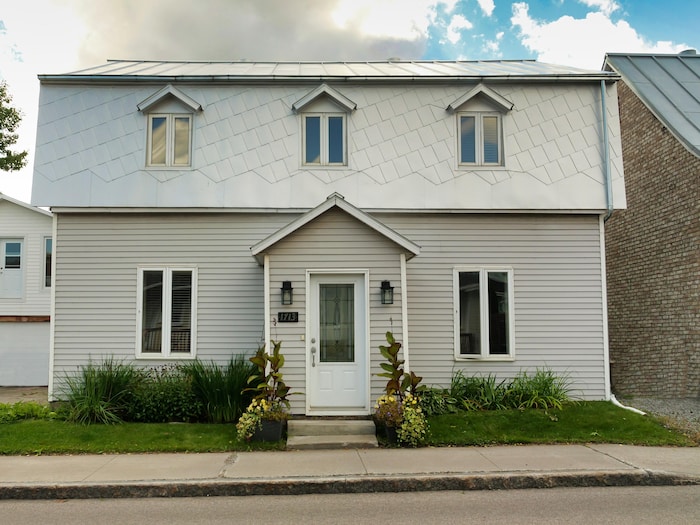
338, 471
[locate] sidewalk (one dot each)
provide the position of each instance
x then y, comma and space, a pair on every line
340, 471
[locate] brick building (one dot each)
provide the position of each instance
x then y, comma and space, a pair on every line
653, 247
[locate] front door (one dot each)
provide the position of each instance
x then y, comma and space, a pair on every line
11, 264
337, 353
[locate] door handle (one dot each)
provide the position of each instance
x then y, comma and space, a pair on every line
313, 356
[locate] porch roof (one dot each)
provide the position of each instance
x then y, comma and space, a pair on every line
334, 200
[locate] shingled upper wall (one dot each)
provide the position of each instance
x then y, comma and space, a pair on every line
653, 260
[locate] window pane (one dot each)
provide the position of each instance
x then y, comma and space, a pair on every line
13, 255
469, 314
312, 155
337, 323
152, 316
467, 139
48, 249
182, 141
181, 315
158, 130
498, 313
490, 140
335, 140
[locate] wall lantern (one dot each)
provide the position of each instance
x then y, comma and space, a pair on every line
287, 292
387, 293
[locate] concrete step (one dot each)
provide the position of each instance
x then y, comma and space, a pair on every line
330, 427
331, 442
316, 434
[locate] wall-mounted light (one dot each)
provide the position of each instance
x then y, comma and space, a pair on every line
387, 293
287, 292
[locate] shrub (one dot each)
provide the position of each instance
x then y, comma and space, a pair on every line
435, 402
25, 410
542, 390
164, 395
101, 393
220, 389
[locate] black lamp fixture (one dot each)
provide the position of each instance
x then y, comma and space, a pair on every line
387, 293
287, 292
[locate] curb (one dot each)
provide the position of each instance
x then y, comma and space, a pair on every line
354, 485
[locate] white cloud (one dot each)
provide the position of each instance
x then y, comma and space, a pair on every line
389, 18
493, 47
607, 7
582, 42
487, 6
457, 24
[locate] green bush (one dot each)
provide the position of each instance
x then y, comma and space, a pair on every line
164, 395
544, 390
220, 389
101, 393
25, 410
435, 402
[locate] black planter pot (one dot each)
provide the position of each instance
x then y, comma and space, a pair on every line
270, 430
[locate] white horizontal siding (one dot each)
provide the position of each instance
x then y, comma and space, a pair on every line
556, 263
557, 286
31, 227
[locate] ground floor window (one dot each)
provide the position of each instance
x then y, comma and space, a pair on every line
166, 312
483, 312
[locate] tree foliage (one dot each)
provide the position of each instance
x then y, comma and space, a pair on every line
9, 120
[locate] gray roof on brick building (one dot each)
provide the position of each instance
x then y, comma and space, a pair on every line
669, 85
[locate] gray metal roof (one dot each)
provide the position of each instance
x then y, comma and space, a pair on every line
670, 87
386, 70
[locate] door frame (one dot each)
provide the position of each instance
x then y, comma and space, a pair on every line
344, 272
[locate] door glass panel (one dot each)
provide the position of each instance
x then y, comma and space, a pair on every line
13, 255
337, 323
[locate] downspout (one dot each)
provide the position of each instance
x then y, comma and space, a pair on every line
606, 154
52, 311
266, 287
404, 314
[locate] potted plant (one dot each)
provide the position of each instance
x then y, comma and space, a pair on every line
397, 414
266, 416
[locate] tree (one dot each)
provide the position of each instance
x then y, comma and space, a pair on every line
9, 120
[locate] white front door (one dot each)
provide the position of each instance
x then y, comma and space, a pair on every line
11, 264
337, 346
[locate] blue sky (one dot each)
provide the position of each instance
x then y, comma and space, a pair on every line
54, 36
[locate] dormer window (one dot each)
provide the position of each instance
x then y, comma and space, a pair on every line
324, 113
480, 139
169, 134
480, 114
169, 140
324, 139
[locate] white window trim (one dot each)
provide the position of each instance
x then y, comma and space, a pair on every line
479, 137
483, 308
43, 263
166, 317
323, 163
169, 140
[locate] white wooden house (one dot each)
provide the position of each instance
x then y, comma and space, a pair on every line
203, 208
25, 293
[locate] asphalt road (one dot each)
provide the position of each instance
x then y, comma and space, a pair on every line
626, 505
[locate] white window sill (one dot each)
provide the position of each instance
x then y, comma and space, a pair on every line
503, 359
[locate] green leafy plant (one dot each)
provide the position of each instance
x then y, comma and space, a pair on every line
544, 390
220, 390
400, 407
25, 410
164, 395
101, 393
436, 401
270, 401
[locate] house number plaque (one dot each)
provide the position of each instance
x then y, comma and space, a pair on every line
288, 317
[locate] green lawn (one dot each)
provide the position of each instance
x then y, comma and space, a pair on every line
586, 422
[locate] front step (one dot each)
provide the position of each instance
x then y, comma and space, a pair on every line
330, 433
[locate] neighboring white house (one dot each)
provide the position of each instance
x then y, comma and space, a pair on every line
203, 208
25, 293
